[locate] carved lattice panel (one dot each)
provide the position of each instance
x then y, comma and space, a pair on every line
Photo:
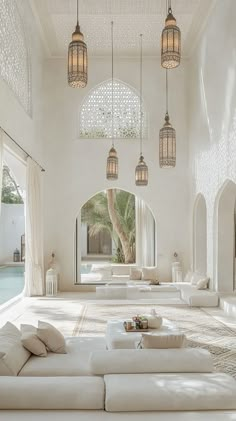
96, 112
14, 63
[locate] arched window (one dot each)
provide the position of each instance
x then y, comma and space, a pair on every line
14, 62
96, 112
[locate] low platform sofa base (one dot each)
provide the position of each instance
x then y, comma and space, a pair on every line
124, 392
73, 392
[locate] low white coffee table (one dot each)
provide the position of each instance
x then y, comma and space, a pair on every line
118, 338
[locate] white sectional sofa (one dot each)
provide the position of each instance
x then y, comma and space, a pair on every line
91, 378
195, 297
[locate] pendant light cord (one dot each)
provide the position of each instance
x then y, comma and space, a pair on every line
141, 94
167, 106
77, 12
112, 81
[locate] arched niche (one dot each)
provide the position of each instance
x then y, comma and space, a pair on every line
144, 232
224, 256
200, 235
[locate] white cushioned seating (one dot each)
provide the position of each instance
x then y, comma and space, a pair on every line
13, 355
169, 392
197, 297
163, 288
151, 361
74, 363
121, 269
52, 393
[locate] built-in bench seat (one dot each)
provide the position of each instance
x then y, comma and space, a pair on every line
195, 297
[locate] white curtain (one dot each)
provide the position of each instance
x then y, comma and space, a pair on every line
145, 234
1, 165
34, 272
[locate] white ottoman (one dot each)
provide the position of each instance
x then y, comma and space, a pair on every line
118, 338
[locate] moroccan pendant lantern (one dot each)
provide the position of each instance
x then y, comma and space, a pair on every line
77, 58
167, 139
170, 42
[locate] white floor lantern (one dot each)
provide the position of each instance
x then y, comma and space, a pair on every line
51, 282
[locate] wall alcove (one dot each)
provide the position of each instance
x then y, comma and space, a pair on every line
225, 238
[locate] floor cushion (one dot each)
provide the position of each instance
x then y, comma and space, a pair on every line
51, 393
169, 392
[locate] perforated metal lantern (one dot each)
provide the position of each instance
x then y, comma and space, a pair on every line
167, 145
170, 43
77, 60
112, 165
141, 173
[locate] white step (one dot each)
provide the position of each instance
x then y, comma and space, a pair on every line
228, 304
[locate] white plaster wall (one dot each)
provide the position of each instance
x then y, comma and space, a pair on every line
12, 226
76, 167
212, 114
200, 236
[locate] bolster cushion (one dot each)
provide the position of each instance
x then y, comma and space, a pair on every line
169, 392
51, 393
151, 361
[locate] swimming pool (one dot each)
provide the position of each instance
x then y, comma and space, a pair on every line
85, 268
11, 282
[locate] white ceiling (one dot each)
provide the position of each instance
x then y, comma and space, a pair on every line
57, 18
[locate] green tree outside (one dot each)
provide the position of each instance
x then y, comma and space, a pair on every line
98, 212
10, 190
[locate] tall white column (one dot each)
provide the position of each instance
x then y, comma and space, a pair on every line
145, 234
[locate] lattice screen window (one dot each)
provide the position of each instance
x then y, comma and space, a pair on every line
96, 114
14, 62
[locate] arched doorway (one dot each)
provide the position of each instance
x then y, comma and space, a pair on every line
200, 235
225, 238
114, 228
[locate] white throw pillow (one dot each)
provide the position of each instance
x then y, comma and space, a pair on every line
30, 341
202, 283
162, 341
149, 273
188, 277
12, 353
135, 274
196, 277
52, 338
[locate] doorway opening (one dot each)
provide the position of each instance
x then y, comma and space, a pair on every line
114, 230
12, 227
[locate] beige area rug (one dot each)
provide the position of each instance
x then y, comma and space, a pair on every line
201, 329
